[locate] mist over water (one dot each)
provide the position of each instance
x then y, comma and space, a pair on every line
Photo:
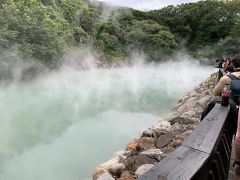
61, 126
146, 4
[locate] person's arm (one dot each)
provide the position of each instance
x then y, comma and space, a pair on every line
219, 87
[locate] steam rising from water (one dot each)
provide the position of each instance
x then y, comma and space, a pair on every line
146, 4
62, 126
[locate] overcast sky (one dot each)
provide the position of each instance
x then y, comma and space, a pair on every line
147, 4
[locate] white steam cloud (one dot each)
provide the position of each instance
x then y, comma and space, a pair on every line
146, 4
65, 123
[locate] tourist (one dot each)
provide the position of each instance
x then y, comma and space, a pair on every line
219, 63
229, 69
226, 63
225, 79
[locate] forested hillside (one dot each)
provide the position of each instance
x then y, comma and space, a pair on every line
39, 31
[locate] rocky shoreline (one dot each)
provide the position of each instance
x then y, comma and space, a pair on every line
162, 138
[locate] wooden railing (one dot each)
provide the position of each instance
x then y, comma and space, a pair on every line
206, 153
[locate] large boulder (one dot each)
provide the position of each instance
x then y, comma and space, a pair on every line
149, 133
182, 109
146, 143
154, 153
176, 119
192, 120
189, 114
141, 144
168, 149
135, 161
116, 169
178, 128
163, 124
164, 140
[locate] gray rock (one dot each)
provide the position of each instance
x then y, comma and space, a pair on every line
199, 90
180, 136
161, 125
176, 119
207, 92
190, 120
121, 155
182, 101
177, 143
146, 143
185, 98
182, 109
154, 153
190, 105
133, 145
160, 132
178, 128
192, 99
193, 94
164, 140
126, 175
105, 176
116, 169
198, 110
142, 169
187, 133
204, 101
170, 116
149, 133
191, 126
205, 85
135, 161
188, 114
167, 150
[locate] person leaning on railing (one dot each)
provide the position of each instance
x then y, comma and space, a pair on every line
234, 108
227, 80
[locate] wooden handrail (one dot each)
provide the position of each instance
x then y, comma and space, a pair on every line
206, 153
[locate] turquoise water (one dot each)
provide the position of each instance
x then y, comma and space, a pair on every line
63, 124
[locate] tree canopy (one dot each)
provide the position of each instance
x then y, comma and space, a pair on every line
40, 30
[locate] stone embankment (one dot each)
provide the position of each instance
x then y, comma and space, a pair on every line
162, 138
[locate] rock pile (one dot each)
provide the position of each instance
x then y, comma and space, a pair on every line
162, 138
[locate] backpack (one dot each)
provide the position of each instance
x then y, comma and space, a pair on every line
235, 88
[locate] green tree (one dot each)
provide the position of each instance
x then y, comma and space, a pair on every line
32, 29
147, 34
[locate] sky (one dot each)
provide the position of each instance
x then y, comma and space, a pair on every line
146, 4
